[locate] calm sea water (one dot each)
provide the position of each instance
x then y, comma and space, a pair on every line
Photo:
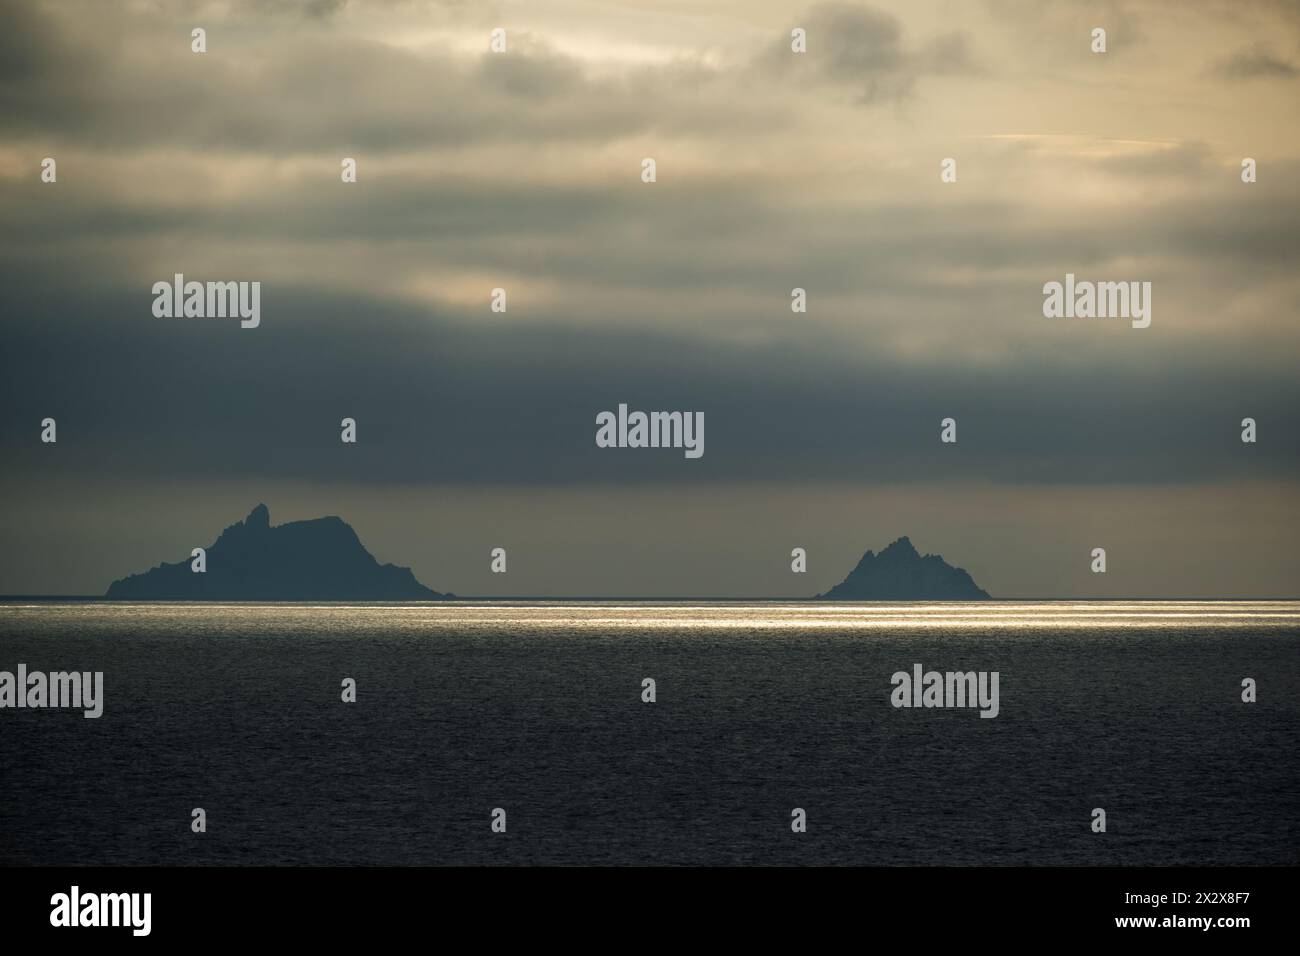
761, 708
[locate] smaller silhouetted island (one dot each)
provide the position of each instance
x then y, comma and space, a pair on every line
317, 560
899, 573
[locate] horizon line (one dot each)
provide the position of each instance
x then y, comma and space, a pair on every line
473, 598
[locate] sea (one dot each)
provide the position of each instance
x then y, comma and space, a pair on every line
533, 716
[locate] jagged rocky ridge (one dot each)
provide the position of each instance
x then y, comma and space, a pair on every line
899, 573
317, 560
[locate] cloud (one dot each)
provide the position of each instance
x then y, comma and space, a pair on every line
1255, 63
520, 171
863, 49
440, 401
285, 88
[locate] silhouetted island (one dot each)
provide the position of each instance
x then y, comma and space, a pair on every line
899, 573
317, 560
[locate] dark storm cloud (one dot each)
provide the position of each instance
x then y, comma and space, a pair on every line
154, 399
707, 235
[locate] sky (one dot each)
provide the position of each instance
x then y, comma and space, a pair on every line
522, 170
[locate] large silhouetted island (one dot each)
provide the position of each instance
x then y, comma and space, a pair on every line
899, 573
317, 560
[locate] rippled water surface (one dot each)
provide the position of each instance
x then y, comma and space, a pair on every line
536, 708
